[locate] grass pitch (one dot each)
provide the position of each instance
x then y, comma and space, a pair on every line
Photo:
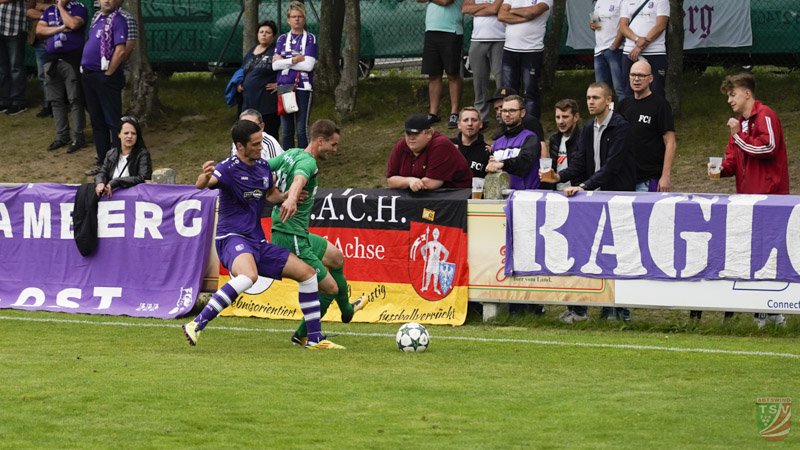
100, 382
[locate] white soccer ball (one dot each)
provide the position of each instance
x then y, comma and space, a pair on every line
412, 337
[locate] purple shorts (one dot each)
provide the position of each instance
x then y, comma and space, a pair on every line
270, 259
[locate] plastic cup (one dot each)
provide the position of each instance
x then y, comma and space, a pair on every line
714, 167
477, 188
545, 164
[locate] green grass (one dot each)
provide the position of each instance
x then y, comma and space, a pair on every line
73, 382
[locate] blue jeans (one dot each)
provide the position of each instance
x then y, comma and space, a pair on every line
41, 49
12, 70
521, 71
297, 121
608, 69
658, 64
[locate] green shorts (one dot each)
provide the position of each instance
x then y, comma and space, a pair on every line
310, 249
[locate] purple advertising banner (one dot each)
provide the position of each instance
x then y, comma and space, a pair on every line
654, 236
153, 244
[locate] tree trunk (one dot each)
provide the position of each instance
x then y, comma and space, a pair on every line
347, 88
331, 23
675, 56
552, 44
250, 25
142, 97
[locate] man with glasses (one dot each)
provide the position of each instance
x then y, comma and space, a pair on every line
426, 160
517, 151
270, 147
652, 131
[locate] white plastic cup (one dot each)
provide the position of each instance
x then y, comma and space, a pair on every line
714, 166
545, 164
477, 188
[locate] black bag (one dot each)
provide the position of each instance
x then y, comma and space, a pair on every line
84, 219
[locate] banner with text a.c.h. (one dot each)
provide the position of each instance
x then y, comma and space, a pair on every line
654, 236
406, 252
153, 241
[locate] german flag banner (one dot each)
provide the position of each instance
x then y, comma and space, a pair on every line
406, 252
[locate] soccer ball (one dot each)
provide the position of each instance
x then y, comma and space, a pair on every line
412, 337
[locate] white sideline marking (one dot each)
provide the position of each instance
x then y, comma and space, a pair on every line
451, 338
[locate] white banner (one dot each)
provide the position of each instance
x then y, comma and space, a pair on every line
721, 295
706, 23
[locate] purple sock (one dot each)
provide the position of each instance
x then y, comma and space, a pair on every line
309, 304
219, 301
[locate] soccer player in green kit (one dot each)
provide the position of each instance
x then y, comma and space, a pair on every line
296, 171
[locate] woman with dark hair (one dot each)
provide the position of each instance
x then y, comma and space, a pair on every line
259, 87
295, 58
127, 165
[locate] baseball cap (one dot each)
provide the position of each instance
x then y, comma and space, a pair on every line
417, 123
502, 93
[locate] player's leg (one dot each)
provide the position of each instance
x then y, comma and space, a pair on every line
305, 275
333, 259
236, 254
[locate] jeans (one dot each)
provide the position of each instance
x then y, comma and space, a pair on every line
608, 69
658, 64
297, 121
41, 49
521, 71
103, 95
12, 70
485, 58
64, 88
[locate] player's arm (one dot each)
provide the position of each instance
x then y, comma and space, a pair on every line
289, 205
206, 179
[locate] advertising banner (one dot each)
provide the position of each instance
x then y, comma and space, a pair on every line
153, 242
486, 222
406, 252
656, 236
706, 24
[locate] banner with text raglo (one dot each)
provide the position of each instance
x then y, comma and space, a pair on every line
153, 244
406, 252
654, 236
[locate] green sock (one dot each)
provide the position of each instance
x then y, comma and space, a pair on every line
343, 298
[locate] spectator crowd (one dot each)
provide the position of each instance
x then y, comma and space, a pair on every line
627, 144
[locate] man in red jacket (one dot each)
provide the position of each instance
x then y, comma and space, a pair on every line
756, 153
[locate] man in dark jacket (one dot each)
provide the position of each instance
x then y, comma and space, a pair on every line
607, 162
564, 147
470, 142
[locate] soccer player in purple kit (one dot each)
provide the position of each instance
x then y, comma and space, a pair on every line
245, 182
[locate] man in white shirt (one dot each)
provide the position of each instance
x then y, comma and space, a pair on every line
607, 45
485, 50
523, 52
644, 24
270, 147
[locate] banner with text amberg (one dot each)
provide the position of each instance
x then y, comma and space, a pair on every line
406, 252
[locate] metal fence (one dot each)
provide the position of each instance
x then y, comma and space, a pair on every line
195, 33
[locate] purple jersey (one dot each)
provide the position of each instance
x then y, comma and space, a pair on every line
289, 45
91, 59
242, 195
67, 41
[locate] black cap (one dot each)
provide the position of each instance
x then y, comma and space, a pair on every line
417, 123
502, 93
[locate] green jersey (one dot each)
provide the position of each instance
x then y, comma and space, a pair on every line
295, 161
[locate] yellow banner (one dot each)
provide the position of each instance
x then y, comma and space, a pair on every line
387, 303
486, 225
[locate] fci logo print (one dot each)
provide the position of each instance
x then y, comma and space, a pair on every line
428, 267
774, 417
